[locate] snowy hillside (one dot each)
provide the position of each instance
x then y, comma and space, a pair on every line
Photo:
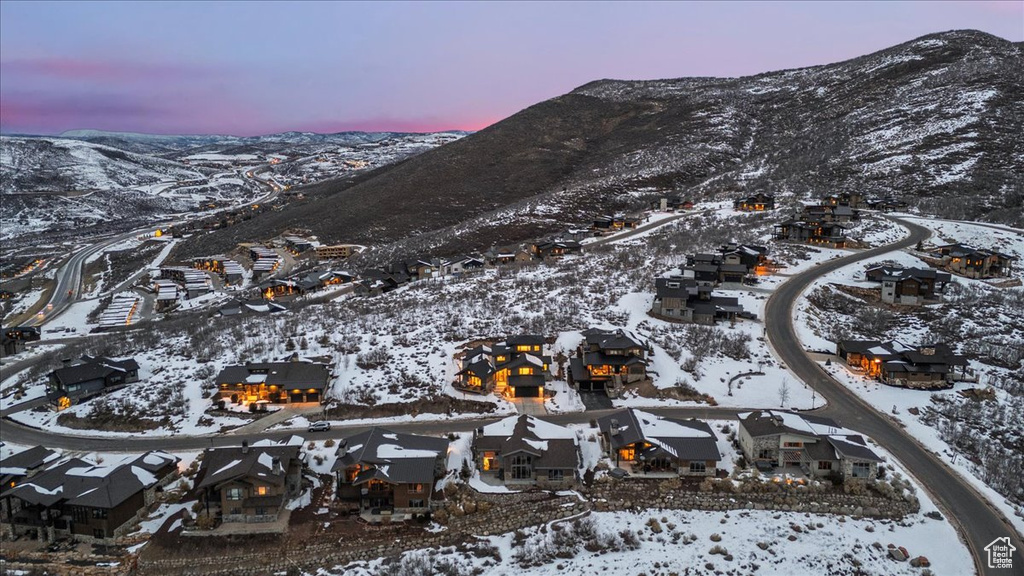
39, 165
932, 121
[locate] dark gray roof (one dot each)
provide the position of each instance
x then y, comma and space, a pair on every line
610, 339
284, 374
853, 447
531, 435
681, 439
405, 457
266, 463
768, 423
92, 369
28, 459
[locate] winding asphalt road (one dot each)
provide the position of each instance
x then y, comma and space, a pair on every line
978, 521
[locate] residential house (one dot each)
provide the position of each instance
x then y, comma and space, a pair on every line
909, 286
10, 346
924, 367
250, 484
555, 249
652, 445
516, 367
388, 475
886, 204
831, 234
265, 261
24, 333
247, 307
527, 451
335, 251
608, 359
811, 444
851, 199
74, 383
16, 467
975, 263
462, 265
674, 203
299, 245
276, 382
681, 299
759, 202
79, 499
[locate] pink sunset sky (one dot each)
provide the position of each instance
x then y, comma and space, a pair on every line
256, 68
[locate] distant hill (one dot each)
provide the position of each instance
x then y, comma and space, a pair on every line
937, 120
38, 165
161, 144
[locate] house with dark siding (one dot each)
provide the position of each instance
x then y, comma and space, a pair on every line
250, 484
650, 445
89, 377
389, 475
527, 451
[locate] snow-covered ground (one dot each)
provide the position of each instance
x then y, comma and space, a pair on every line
819, 329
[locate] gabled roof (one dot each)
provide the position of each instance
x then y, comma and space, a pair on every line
611, 339
92, 368
682, 439
853, 446
262, 463
283, 374
399, 457
551, 445
771, 422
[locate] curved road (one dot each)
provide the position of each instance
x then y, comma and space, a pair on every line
979, 523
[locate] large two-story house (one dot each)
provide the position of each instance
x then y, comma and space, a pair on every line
651, 445
682, 299
77, 382
516, 367
278, 382
525, 451
814, 445
79, 499
975, 262
909, 286
923, 367
250, 484
389, 475
759, 202
608, 359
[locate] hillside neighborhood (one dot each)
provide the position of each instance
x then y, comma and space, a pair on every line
737, 323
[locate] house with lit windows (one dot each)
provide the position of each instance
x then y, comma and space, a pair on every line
816, 446
923, 367
84, 500
516, 367
527, 451
78, 381
389, 475
974, 262
608, 359
275, 382
759, 202
653, 446
250, 484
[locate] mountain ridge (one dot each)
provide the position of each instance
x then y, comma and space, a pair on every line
933, 119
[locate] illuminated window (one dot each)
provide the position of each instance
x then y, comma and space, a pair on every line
525, 371
792, 444
628, 453
261, 490
416, 488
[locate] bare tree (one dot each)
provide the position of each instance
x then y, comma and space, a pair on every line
783, 393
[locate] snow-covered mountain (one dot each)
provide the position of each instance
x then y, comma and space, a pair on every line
936, 120
169, 144
40, 165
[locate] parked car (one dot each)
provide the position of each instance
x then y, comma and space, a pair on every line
319, 426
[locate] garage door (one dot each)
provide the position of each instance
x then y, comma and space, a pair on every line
312, 396
526, 391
